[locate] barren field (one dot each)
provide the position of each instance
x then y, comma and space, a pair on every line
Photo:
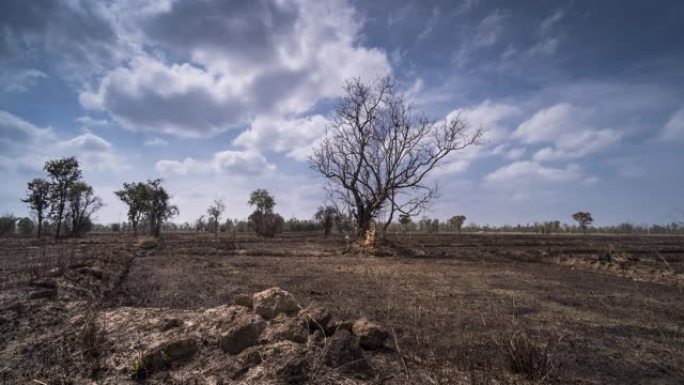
457, 309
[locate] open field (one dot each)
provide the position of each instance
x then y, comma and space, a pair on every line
471, 309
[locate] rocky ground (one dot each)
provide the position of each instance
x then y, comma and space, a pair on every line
193, 309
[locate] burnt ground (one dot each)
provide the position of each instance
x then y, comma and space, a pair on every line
462, 309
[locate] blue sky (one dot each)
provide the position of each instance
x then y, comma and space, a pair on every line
582, 101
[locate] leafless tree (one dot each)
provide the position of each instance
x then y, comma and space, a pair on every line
377, 153
215, 211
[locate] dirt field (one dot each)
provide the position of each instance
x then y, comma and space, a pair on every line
471, 309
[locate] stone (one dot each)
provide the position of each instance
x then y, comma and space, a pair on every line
273, 301
372, 336
345, 354
290, 329
242, 334
243, 300
317, 317
163, 356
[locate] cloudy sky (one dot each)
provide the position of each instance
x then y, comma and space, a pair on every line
582, 101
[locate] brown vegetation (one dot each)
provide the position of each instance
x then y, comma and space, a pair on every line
485, 309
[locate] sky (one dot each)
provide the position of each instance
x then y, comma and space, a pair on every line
582, 102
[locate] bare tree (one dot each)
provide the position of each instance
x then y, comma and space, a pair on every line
38, 199
215, 211
377, 153
584, 219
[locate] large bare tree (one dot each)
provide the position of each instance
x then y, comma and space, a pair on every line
377, 152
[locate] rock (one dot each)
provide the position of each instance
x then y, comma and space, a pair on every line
94, 271
273, 301
372, 336
244, 333
294, 369
317, 317
289, 329
336, 325
163, 356
344, 353
243, 300
170, 323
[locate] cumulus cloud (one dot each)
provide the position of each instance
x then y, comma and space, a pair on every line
566, 127
493, 117
224, 162
231, 62
295, 137
674, 128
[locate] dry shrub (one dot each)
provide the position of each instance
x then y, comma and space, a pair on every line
93, 342
147, 243
532, 360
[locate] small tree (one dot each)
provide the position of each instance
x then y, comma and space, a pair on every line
38, 200
584, 219
82, 203
7, 224
134, 195
158, 209
25, 226
215, 211
263, 221
405, 221
326, 217
63, 173
457, 222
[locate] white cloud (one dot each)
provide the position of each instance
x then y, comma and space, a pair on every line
26, 146
674, 128
523, 173
224, 162
567, 128
490, 116
156, 142
22, 80
90, 122
430, 24
295, 137
273, 58
489, 29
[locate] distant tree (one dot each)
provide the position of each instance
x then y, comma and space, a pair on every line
158, 209
262, 200
405, 221
38, 200
215, 211
82, 203
25, 226
115, 227
63, 173
263, 221
134, 195
7, 224
326, 217
457, 222
584, 219
377, 153
199, 224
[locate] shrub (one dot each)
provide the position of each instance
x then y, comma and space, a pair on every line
7, 224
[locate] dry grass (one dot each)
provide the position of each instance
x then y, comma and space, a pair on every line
450, 301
